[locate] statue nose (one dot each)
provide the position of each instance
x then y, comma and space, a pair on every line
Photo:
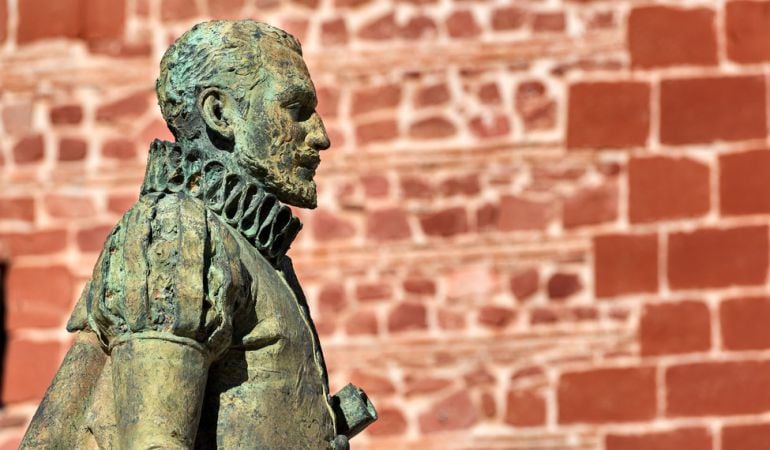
317, 137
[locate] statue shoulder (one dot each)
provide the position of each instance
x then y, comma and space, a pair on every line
162, 268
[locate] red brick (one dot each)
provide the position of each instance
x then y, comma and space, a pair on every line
496, 316
414, 187
297, 27
120, 203
461, 24
681, 327
489, 94
3, 21
660, 36
328, 101
43, 19
679, 439
607, 395
517, 214
718, 257
375, 185
92, 239
420, 286
122, 149
748, 31
563, 285
381, 28
448, 222
37, 243
524, 284
460, 185
436, 94
488, 405
334, 32
432, 128
66, 114
332, 298
418, 27
744, 437
625, 264
455, 412
744, 323
536, 108
102, 21
608, 114
19, 208
29, 368
744, 183
350, 3
373, 291
375, 98
718, 388
38, 296
487, 216
602, 20
490, 126
226, 9
591, 205
479, 376
361, 323
28, 150
387, 224
307, 3
700, 110
381, 130
375, 384
407, 316
390, 421
508, 18
667, 188
155, 129
543, 315
128, 107
424, 385
171, 10
549, 22
525, 409
69, 206
329, 227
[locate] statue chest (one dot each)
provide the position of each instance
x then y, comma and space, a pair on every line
272, 382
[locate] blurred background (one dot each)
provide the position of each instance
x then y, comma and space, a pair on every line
543, 224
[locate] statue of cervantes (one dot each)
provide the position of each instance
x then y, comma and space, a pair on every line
193, 331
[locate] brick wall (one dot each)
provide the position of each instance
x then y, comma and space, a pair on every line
542, 224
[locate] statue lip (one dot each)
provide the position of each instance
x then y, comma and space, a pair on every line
309, 161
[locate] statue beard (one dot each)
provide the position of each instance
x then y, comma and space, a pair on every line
280, 174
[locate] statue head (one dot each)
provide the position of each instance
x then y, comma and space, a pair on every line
243, 88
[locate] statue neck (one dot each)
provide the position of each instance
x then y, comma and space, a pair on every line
227, 190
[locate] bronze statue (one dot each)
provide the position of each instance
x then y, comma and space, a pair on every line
193, 331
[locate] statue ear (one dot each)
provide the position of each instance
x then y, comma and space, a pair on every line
217, 108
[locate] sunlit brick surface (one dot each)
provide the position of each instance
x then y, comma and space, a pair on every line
541, 224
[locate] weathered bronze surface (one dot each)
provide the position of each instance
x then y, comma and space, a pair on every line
193, 331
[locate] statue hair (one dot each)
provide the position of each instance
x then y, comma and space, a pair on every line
218, 53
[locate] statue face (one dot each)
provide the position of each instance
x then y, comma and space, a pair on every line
281, 135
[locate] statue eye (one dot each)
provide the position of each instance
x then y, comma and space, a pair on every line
299, 112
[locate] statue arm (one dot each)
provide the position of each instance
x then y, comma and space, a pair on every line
162, 301
158, 388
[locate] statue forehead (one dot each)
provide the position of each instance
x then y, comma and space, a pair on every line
284, 69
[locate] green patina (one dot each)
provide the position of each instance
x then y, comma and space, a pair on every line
193, 331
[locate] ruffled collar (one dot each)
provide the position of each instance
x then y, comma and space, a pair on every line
238, 198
